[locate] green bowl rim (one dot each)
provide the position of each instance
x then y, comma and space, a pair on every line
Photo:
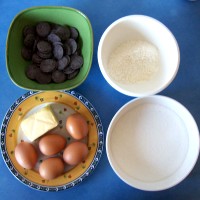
42, 7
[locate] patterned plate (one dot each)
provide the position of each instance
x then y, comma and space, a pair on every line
69, 101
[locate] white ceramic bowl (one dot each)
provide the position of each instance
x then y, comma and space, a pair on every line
140, 27
152, 143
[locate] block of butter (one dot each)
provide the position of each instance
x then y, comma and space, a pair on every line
39, 123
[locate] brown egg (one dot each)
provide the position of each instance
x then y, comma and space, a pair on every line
52, 144
75, 153
51, 168
77, 126
26, 155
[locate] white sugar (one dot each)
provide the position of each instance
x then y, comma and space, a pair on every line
149, 142
133, 61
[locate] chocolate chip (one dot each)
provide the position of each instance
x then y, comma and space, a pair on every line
44, 46
52, 37
43, 29
29, 40
43, 78
54, 51
72, 44
28, 30
48, 65
63, 62
26, 53
76, 62
36, 59
73, 33
57, 43
61, 31
67, 49
77, 53
73, 74
32, 71
58, 76
68, 70
44, 55
58, 52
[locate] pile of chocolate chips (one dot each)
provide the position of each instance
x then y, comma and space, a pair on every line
54, 51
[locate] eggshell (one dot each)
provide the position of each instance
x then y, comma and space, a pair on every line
52, 144
75, 153
26, 155
51, 168
77, 126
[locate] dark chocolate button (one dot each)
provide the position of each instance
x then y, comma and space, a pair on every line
28, 30
57, 43
73, 33
43, 29
73, 74
58, 76
32, 71
63, 62
68, 70
76, 62
67, 49
29, 40
36, 59
58, 52
44, 55
52, 37
48, 65
26, 53
43, 78
62, 31
77, 53
54, 50
44, 46
72, 44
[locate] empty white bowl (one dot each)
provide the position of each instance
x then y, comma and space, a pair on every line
148, 29
152, 143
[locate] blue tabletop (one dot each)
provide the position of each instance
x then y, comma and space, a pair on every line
182, 17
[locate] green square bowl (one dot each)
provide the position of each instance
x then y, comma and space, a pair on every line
16, 65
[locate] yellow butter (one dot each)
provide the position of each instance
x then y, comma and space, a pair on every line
39, 123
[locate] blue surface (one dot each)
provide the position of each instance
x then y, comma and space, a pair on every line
182, 17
